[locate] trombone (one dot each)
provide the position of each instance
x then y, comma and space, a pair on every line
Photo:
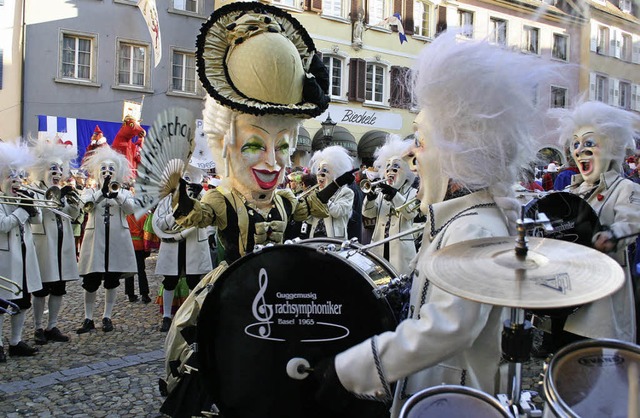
367, 185
89, 206
412, 204
307, 192
51, 201
12, 283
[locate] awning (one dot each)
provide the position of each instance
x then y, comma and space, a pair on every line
304, 140
369, 142
341, 136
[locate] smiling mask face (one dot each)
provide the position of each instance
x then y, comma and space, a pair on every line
53, 175
260, 153
589, 154
13, 181
396, 172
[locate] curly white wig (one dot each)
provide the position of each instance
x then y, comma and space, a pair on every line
219, 125
394, 146
92, 164
47, 152
614, 124
337, 159
15, 155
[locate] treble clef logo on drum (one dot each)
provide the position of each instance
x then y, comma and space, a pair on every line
262, 311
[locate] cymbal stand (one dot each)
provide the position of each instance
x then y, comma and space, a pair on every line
517, 336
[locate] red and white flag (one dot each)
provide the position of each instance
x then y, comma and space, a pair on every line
150, 14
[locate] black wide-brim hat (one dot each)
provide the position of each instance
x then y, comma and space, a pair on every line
257, 59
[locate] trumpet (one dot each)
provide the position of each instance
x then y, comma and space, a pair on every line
308, 191
367, 185
412, 204
88, 207
418, 228
114, 187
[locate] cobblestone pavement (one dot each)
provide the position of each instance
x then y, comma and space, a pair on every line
101, 374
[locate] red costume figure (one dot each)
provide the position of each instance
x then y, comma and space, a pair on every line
97, 140
123, 142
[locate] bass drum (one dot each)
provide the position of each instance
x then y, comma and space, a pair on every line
591, 378
452, 401
573, 220
282, 303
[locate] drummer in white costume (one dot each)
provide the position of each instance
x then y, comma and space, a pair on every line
54, 239
598, 137
107, 250
328, 164
183, 251
474, 132
396, 192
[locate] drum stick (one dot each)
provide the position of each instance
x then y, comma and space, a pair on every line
632, 375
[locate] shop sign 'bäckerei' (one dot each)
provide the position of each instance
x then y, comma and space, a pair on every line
362, 117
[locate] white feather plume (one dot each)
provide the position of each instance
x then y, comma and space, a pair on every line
164, 156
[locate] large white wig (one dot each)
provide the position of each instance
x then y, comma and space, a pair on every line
614, 124
479, 111
15, 155
394, 146
47, 152
93, 163
336, 157
219, 125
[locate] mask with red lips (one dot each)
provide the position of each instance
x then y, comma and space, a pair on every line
588, 153
259, 154
396, 172
12, 182
53, 175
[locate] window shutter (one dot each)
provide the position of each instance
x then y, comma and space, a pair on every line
594, 37
397, 8
441, 26
635, 54
1, 67
611, 87
354, 11
357, 78
408, 17
592, 86
400, 97
315, 5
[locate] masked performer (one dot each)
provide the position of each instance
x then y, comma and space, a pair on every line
18, 259
54, 239
474, 133
598, 136
327, 164
396, 192
182, 251
251, 120
107, 251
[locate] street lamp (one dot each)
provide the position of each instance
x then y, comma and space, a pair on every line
328, 127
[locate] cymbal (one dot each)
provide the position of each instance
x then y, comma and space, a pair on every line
554, 273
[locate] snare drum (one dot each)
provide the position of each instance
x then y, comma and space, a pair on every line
281, 303
590, 379
452, 401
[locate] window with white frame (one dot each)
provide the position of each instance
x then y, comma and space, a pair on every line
498, 31
601, 89
379, 10
560, 47
77, 57
183, 72
337, 8
558, 97
186, 5
422, 17
133, 64
624, 98
531, 39
336, 68
375, 83
465, 21
626, 51
288, 3
625, 5
602, 40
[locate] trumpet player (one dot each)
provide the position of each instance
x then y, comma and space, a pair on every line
107, 250
18, 259
54, 240
395, 191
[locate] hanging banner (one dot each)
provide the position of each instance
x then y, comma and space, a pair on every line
150, 14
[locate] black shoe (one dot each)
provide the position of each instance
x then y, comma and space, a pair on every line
87, 326
22, 350
3, 356
39, 337
133, 298
107, 325
54, 334
146, 299
166, 324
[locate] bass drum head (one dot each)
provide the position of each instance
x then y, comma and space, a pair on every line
572, 218
452, 401
284, 302
591, 378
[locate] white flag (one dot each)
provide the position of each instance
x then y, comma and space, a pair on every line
150, 14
